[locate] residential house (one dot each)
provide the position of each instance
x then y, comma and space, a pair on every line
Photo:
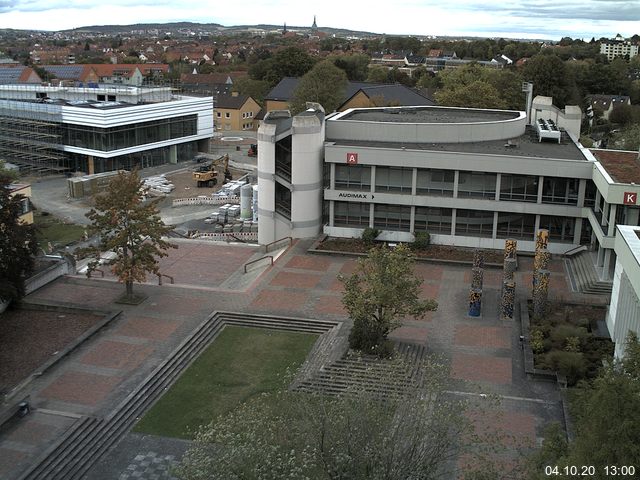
24, 189
607, 103
18, 74
235, 112
74, 74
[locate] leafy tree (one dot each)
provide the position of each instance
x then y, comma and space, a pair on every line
129, 227
549, 76
622, 114
606, 416
477, 94
17, 243
288, 62
257, 89
355, 66
378, 74
627, 139
324, 83
382, 290
352, 436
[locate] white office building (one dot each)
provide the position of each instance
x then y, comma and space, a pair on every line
101, 129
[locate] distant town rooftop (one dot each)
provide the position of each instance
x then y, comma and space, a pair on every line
622, 166
427, 115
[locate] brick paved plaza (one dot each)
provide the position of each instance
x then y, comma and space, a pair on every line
98, 375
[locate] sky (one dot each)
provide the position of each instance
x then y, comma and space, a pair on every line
545, 19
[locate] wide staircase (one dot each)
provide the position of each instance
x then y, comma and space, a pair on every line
378, 377
583, 275
90, 438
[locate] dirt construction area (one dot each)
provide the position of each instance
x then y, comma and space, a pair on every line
187, 187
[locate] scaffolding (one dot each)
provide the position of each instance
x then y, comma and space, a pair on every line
30, 137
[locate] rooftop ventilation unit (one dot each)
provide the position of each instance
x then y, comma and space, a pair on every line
547, 129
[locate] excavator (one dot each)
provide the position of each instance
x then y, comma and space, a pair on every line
207, 176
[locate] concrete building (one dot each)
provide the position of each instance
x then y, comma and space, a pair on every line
235, 112
24, 190
624, 310
100, 129
618, 47
469, 177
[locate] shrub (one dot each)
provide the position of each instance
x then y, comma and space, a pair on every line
369, 235
570, 364
422, 240
537, 341
572, 344
560, 334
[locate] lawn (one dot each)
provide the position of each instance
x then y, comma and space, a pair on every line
54, 230
240, 364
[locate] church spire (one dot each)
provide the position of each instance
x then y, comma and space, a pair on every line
284, 30
314, 27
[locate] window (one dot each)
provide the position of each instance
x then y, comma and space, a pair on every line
353, 177
477, 185
251, 114
433, 220
590, 194
560, 190
516, 225
394, 179
351, 214
476, 223
25, 205
227, 115
519, 188
560, 228
101, 98
218, 114
435, 182
392, 217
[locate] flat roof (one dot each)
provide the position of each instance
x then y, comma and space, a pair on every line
621, 165
427, 115
522, 146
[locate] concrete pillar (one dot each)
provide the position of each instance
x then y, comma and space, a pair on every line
412, 219
582, 189
414, 183
606, 264
373, 179
497, 197
371, 214
332, 177
453, 217
612, 220
540, 187
494, 231
577, 231
173, 154
456, 179
332, 210
632, 216
90, 165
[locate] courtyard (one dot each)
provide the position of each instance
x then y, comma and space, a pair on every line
97, 378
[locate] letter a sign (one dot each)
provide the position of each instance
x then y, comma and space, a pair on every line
630, 198
352, 158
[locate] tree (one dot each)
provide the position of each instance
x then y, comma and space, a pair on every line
382, 290
351, 436
129, 227
288, 62
324, 83
549, 76
378, 74
606, 416
18, 244
355, 66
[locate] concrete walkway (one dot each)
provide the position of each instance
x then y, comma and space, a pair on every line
483, 353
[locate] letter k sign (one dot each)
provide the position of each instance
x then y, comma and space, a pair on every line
630, 198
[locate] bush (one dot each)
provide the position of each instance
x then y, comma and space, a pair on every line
570, 364
369, 235
537, 341
422, 240
560, 334
572, 344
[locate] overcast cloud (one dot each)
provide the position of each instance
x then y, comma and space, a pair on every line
518, 18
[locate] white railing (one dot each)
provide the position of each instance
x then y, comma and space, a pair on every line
229, 236
204, 200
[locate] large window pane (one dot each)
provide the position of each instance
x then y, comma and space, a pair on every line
351, 214
560, 190
394, 179
477, 185
477, 223
433, 220
353, 177
392, 217
519, 188
435, 182
560, 228
516, 225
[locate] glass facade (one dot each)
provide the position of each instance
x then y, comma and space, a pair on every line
477, 185
126, 136
435, 182
394, 179
560, 190
519, 188
475, 223
433, 220
516, 225
392, 217
353, 177
351, 214
560, 228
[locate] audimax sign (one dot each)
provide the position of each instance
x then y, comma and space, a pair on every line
360, 196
